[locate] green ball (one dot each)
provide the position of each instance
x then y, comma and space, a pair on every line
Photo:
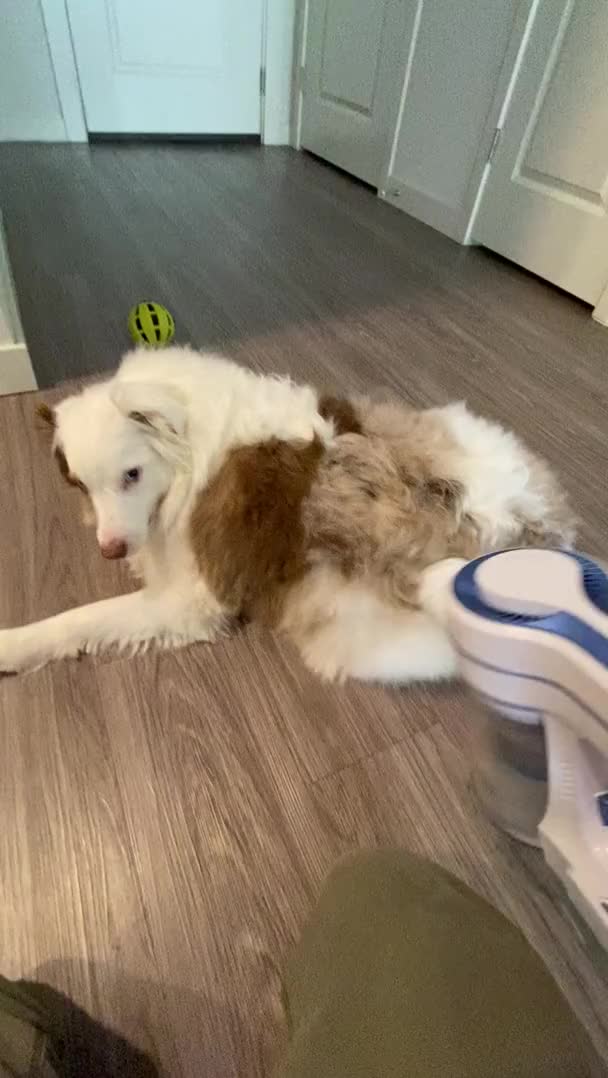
151, 324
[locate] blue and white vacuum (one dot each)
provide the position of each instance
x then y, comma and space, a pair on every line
531, 631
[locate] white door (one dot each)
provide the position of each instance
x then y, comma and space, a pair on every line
545, 204
352, 80
176, 67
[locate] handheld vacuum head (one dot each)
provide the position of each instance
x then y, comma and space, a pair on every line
531, 631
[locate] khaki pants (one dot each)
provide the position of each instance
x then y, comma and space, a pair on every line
403, 972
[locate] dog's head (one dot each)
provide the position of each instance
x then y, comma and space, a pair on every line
121, 442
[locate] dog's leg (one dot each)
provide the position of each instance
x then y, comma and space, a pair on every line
127, 622
354, 632
359, 635
391, 646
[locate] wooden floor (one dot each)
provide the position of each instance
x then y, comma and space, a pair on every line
167, 821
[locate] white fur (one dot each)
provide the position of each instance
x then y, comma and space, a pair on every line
190, 410
198, 407
492, 465
366, 638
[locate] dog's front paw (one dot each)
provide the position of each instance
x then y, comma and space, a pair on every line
16, 652
323, 660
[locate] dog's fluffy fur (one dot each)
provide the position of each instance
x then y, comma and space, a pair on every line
239, 496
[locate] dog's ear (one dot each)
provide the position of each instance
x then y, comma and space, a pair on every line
159, 408
47, 415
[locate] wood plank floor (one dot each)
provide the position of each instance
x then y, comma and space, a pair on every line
167, 821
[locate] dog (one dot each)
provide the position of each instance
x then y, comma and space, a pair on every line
239, 496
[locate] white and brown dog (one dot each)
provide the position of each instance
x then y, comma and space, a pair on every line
236, 495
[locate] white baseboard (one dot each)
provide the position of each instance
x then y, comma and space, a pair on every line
16, 371
600, 312
426, 208
278, 135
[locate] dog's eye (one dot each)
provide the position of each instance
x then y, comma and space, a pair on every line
131, 476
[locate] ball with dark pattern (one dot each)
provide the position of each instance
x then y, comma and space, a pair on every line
151, 324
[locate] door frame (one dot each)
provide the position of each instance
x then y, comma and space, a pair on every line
523, 24
16, 371
278, 52
276, 74
299, 62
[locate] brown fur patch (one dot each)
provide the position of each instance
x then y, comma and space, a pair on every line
247, 531
64, 468
382, 516
376, 507
385, 506
342, 413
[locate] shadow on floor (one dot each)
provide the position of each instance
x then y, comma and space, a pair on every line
166, 1030
85, 1046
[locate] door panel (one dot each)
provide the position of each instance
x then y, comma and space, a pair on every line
153, 67
351, 54
192, 41
455, 61
564, 153
545, 205
352, 82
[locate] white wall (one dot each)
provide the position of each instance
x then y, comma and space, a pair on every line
456, 56
29, 104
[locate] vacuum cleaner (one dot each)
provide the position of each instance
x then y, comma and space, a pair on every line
531, 631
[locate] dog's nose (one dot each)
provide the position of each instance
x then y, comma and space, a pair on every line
114, 548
